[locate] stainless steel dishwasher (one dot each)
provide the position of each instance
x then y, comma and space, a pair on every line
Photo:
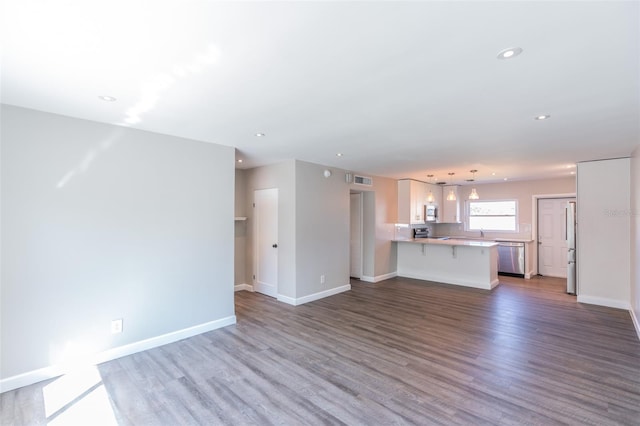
511, 258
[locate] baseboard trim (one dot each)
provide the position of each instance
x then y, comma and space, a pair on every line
314, 296
286, 299
636, 323
46, 373
601, 301
378, 278
243, 287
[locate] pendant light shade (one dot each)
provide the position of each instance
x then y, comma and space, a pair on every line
474, 194
452, 195
430, 197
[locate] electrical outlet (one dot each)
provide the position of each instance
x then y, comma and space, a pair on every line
321, 279
116, 326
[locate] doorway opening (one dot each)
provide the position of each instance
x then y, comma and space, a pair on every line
356, 234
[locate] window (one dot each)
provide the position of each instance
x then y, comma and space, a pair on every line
492, 215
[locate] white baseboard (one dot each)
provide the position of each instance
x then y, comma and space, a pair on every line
378, 278
636, 323
315, 296
601, 301
241, 287
286, 299
46, 373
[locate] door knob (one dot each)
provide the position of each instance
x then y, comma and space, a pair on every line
275, 246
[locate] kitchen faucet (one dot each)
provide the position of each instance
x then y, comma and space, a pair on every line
481, 233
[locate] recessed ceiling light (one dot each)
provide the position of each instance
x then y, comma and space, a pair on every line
505, 179
239, 160
509, 53
260, 135
339, 154
542, 117
493, 174
107, 98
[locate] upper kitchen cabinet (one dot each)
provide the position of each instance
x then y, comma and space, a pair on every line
412, 195
450, 204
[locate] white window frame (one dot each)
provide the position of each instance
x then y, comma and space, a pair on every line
467, 224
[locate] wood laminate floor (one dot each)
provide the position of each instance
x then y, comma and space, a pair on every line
400, 351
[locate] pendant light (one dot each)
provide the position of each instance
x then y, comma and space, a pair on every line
474, 194
430, 197
452, 195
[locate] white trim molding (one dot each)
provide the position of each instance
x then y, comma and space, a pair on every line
378, 278
286, 299
636, 322
46, 373
601, 301
243, 287
314, 296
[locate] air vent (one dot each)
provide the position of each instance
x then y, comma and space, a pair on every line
362, 180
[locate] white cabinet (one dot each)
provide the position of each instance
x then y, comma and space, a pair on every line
450, 208
412, 196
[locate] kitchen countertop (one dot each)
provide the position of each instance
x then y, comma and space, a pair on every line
450, 242
508, 240
513, 240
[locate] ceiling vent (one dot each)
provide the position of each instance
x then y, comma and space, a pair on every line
362, 180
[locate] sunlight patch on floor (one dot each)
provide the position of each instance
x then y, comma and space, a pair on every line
78, 398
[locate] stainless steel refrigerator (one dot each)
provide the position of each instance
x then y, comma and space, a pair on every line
570, 214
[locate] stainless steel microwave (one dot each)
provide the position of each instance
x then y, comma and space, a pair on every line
430, 213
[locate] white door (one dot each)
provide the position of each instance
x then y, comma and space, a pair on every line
552, 243
356, 235
266, 241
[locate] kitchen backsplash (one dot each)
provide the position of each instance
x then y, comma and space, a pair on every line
457, 230
405, 232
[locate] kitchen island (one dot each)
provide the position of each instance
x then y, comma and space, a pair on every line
451, 261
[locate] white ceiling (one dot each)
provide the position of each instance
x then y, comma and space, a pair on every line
402, 89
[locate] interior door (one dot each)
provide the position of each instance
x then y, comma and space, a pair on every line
266, 241
356, 236
552, 243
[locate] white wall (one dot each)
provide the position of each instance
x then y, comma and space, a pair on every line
240, 230
386, 215
604, 226
322, 230
102, 222
314, 227
635, 237
281, 176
